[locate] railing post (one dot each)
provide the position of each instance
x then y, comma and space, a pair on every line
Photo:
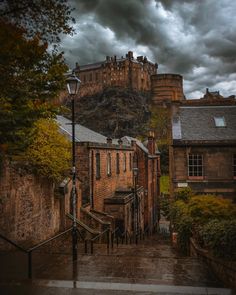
117, 240
30, 265
108, 241
91, 247
112, 240
86, 247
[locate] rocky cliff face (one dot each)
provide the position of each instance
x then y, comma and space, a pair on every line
115, 112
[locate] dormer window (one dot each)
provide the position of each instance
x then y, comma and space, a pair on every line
220, 122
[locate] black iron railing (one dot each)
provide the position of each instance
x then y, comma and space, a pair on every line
30, 250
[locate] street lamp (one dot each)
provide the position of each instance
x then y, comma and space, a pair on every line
73, 84
136, 225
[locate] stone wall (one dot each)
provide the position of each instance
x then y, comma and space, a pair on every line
166, 87
125, 72
224, 270
217, 169
29, 211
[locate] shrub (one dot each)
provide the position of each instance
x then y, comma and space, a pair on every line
183, 194
219, 236
182, 223
204, 208
165, 204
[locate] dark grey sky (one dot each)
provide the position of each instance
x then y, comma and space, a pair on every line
194, 38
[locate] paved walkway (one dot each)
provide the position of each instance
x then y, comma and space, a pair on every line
152, 267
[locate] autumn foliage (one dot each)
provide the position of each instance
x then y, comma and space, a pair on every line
49, 154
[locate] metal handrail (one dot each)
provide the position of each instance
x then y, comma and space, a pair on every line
13, 243
83, 225
106, 231
30, 250
95, 217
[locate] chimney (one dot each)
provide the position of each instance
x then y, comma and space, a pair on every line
130, 54
120, 141
140, 58
109, 140
107, 58
76, 65
151, 143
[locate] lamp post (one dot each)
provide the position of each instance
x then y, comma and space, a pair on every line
136, 225
73, 84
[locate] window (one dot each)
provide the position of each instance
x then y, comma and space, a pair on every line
117, 163
109, 164
234, 165
98, 175
124, 162
195, 165
220, 122
130, 162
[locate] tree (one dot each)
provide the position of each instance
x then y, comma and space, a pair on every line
49, 154
45, 18
30, 78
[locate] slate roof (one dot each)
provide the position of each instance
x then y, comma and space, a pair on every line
198, 124
82, 134
127, 141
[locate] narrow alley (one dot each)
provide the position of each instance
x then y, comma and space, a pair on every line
151, 267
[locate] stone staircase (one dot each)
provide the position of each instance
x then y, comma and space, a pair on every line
150, 267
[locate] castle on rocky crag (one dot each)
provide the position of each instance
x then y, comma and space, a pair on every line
125, 72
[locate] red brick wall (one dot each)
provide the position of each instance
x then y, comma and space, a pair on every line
107, 185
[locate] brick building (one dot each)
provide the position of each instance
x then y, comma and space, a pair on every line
125, 72
203, 149
147, 159
108, 184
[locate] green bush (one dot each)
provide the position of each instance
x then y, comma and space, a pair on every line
219, 236
183, 194
165, 203
182, 223
204, 208
211, 219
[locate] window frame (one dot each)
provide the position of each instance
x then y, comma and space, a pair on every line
234, 166
220, 122
196, 171
109, 164
117, 163
124, 162
97, 165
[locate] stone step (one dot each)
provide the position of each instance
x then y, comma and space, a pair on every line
61, 287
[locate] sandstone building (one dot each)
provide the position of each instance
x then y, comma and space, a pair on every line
166, 88
203, 149
125, 72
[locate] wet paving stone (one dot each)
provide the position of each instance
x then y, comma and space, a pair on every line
152, 262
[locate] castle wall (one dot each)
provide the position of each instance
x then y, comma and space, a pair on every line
166, 88
125, 72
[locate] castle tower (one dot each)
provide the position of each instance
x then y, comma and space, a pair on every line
166, 88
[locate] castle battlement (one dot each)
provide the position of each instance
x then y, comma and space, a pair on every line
125, 72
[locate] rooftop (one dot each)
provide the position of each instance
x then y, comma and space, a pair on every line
204, 123
82, 134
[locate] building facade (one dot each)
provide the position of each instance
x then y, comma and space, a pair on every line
203, 149
125, 72
108, 182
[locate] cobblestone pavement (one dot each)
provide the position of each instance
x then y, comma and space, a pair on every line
152, 267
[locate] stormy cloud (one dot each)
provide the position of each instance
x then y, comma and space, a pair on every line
196, 39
